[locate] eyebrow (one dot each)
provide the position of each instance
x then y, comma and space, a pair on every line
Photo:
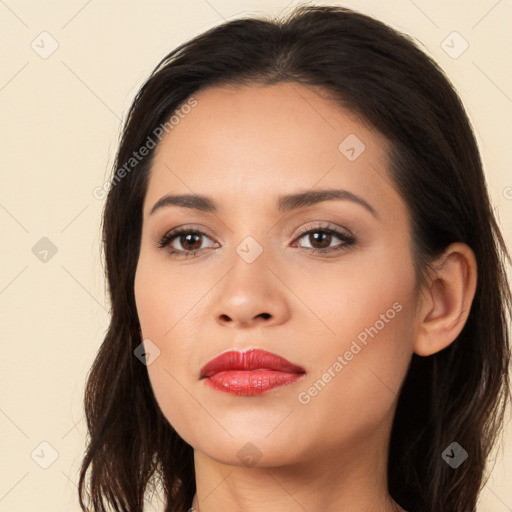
285, 203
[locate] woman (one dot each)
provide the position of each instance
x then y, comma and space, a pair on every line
309, 297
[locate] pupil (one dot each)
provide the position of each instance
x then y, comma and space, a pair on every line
187, 240
318, 235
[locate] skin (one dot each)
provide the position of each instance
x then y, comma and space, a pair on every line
243, 147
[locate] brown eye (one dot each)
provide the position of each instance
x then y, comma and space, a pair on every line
183, 241
321, 238
191, 241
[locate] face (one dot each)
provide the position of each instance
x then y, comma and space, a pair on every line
325, 284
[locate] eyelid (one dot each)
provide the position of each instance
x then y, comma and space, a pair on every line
200, 228
327, 225
164, 240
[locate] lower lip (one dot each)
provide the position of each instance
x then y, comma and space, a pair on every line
250, 382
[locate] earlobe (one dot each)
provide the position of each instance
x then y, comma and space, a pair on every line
447, 301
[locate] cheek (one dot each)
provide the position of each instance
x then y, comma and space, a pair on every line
164, 298
173, 394
357, 375
366, 338
168, 309
160, 306
367, 287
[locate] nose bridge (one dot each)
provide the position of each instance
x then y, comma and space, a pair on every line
250, 291
249, 273
251, 239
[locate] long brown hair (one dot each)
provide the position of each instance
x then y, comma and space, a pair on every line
456, 395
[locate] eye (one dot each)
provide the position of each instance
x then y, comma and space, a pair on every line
321, 237
187, 242
190, 240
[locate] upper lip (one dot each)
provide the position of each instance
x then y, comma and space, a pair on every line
253, 359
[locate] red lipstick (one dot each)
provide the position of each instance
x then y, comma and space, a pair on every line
249, 373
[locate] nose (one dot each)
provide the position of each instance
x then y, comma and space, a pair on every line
251, 294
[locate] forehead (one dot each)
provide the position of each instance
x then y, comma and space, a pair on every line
253, 140
281, 116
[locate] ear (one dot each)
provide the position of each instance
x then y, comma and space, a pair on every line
447, 300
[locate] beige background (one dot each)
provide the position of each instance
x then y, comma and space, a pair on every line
60, 118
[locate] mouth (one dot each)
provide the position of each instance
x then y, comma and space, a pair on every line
249, 373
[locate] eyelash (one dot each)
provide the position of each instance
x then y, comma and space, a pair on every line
346, 239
